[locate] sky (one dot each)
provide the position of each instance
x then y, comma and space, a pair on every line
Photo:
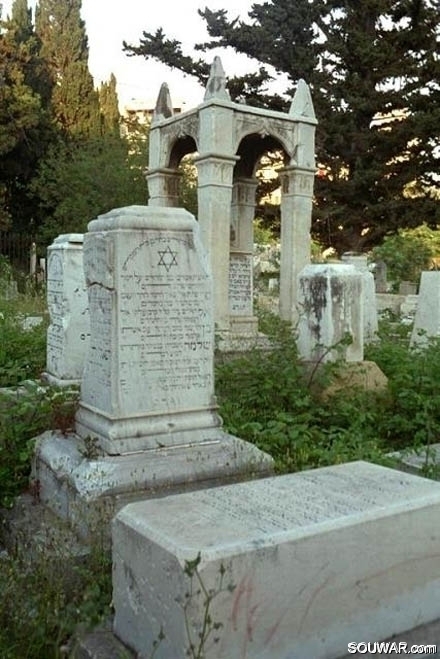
110, 22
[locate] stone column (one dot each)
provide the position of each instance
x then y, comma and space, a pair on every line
69, 330
241, 257
163, 187
329, 299
296, 214
214, 192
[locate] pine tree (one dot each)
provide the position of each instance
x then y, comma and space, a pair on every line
64, 47
108, 102
374, 71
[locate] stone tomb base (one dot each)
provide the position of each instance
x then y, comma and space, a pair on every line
86, 488
295, 566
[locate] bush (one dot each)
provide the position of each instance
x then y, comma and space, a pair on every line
408, 252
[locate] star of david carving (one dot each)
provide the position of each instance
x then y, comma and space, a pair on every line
167, 258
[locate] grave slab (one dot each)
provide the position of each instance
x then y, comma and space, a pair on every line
294, 567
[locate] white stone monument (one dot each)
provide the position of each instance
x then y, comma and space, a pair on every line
296, 566
369, 304
147, 420
427, 316
230, 139
69, 331
330, 311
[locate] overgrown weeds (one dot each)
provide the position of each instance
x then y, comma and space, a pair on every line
43, 603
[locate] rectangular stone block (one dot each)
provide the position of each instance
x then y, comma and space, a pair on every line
69, 331
291, 567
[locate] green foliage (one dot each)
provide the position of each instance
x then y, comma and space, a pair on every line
80, 180
207, 629
412, 413
408, 252
43, 603
374, 73
108, 102
268, 399
262, 235
22, 351
24, 414
24, 128
74, 103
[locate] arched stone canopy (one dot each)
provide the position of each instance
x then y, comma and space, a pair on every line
229, 139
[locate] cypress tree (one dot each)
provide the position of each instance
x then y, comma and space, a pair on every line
374, 71
24, 131
64, 48
108, 102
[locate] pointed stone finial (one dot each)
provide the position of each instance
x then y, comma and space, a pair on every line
164, 106
302, 104
216, 86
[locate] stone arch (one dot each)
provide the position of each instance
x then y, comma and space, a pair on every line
228, 137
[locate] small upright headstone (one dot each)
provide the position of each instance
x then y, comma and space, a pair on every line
427, 317
330, 312
380, 277
241, 285
368, 294
69, 330
407, 288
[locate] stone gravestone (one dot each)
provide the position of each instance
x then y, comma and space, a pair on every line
147, 420
368, 294
69, 330
427, 316
296, 566
380, 277
329, 298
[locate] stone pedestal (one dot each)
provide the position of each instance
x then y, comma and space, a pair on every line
368, 294
330, 308
427, 317
147, 421
69, 331
296, 566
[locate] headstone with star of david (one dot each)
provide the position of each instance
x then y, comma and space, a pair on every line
148, 377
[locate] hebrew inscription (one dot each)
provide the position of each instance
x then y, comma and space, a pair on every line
240, 284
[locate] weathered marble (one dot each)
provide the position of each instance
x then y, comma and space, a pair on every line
230, 139
148, 378
427, 317
297, 566
147, 423
329, 297
69, 331
369, 303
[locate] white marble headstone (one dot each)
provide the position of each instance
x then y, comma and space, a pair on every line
298, 565
69, 330
427, 316
148, 377
330, 309
369, 303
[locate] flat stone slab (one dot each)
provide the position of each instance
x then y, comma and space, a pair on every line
86, 487
294, 566
425, 460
